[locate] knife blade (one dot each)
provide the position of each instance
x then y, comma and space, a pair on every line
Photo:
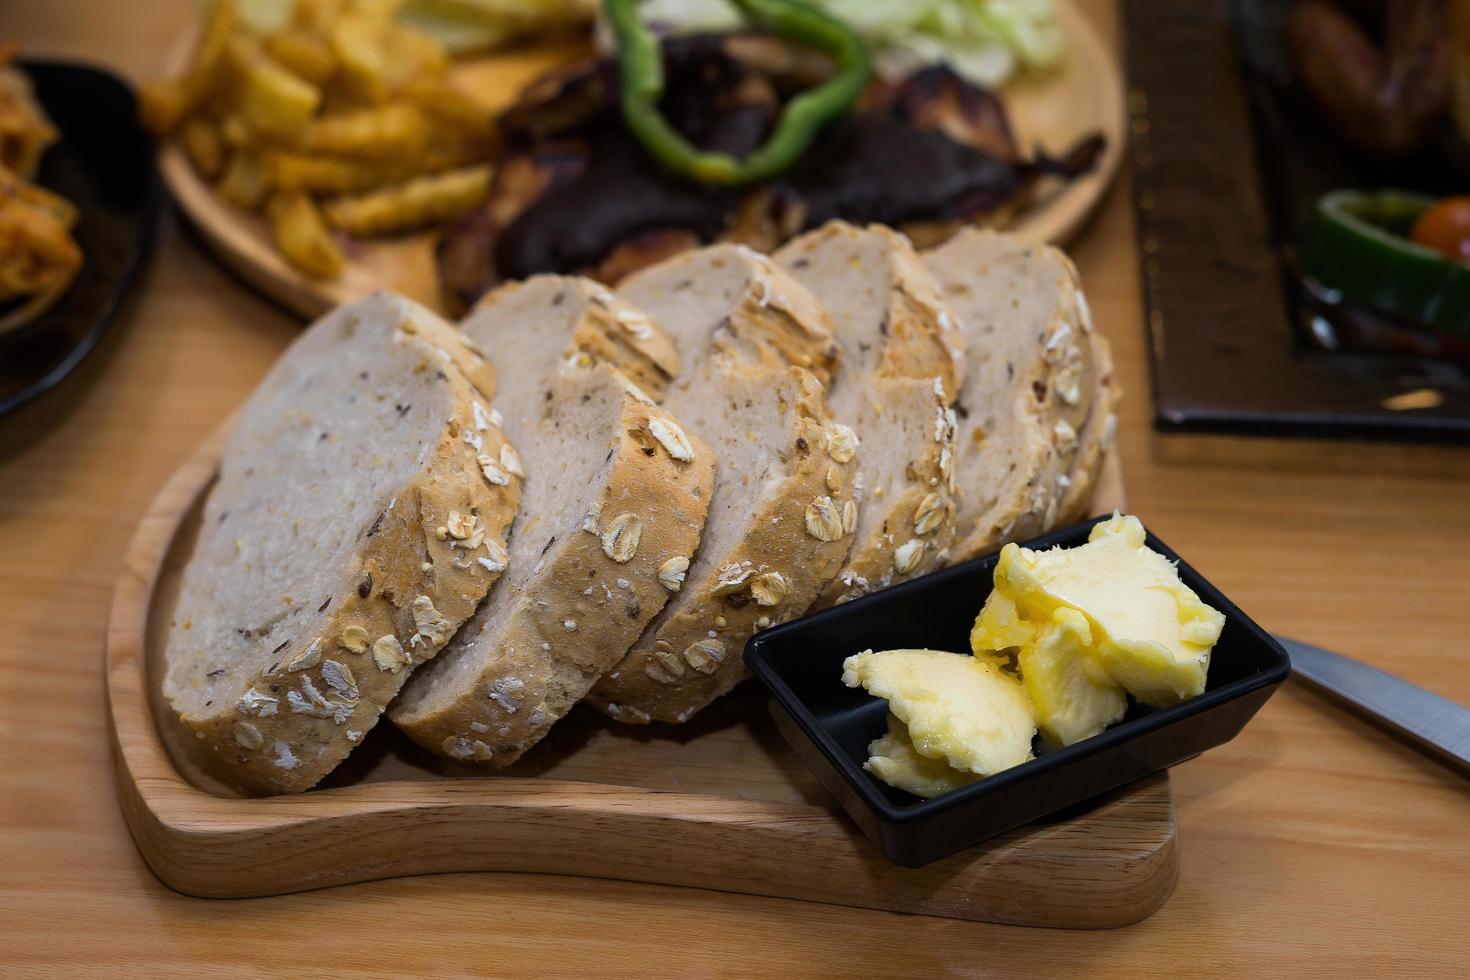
1434, 724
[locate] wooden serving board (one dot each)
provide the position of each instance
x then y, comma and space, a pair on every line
1083, 95
719, 803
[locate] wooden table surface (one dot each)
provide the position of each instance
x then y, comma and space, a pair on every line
1311, 844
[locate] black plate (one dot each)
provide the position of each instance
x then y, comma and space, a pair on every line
1229, 157
104, 165
830, 725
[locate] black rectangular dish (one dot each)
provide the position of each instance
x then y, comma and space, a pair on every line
830, 725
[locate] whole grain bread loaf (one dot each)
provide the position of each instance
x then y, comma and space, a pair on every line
903, 361
351, 530
616, 490
1033, 373
752, 341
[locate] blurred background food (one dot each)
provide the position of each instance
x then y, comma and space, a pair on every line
1389, 75
38, 256
325, 115
1381, 257
984, 41
925, 145
364, 136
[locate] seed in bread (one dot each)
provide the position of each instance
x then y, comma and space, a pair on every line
319, 580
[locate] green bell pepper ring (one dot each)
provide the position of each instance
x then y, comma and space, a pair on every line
1358, 245
640, 63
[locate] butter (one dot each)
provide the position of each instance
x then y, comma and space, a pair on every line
955, 712
1065, 636
1148, 632
1073, 696
894, 760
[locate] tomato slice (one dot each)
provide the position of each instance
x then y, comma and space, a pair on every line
1445, 227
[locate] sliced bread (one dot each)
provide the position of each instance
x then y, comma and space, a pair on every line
1030, 384
350, 532
782, 515
616, 492
903, 360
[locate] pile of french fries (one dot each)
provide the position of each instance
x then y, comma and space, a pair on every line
341, 120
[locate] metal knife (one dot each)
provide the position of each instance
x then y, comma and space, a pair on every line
1432, 723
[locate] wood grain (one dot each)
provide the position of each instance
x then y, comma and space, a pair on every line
719, 804
1052, 111
1312, 845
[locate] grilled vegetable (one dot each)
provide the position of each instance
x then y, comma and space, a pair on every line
642, 81
1359, 245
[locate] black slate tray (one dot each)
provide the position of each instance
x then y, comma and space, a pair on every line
1228, 159
104, 165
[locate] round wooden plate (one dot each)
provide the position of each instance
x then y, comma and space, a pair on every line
1084, 95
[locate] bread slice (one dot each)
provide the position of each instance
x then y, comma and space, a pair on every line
903, 360
616, 492
1031, 378
782, 515
350, 532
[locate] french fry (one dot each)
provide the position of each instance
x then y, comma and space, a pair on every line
243, 182
423, 201
235, 131
451, 106
380, 12
288, 170
276, 102
315, 16
345, 101
410, 54
302, 237
357, 43
203, 146
207, 65
394, 130
163, 105
302, 53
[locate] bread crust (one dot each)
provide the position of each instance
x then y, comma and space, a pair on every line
590, 600
693, 655
410, 585
1094, 440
